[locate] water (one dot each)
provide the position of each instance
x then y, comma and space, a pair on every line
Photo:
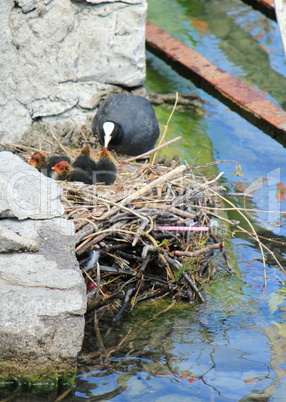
233, 347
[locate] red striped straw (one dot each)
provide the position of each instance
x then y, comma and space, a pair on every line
185, 228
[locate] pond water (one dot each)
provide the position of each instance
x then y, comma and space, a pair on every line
233, 347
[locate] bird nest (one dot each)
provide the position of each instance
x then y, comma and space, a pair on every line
153, 233
146, 236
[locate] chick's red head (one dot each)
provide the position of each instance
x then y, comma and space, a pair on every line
62, 167
38, 160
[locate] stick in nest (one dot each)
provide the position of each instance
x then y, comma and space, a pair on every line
66, 151
153, 157
152, 151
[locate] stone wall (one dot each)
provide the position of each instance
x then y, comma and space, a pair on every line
42, 290
60, 57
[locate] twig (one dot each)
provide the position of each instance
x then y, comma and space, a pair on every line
254, 234
246, 195
112, 350
22, 147
237, 209
152, 151
198, 252
64, 394
177, 265
158, 314
131, 211
100, 343
145, 263
173, 210
57, 140
253, 231
139, 285
82, 133
214, 163
213, 235
157, 182
153, 157
96, 284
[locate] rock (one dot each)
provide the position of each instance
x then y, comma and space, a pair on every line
26, 193
11, 241
43, 301
59, 58
62, 69
11, 127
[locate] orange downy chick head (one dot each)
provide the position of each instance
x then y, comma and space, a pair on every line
86, 151
38, 160
62, 167
105, 154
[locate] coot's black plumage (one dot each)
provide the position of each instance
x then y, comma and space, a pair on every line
85, 161
106, 171
64, 171
126, 124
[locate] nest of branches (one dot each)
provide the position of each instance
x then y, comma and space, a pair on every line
146, 236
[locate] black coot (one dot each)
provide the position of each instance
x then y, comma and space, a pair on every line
126, 124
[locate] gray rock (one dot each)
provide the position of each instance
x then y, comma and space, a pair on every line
50, 69
43, 297
15, 117
111, 1
26, 193
11, 241
59, 58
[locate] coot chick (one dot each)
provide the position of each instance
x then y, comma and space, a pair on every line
45, 163
126, 124
106, 170
85, 161
64, 171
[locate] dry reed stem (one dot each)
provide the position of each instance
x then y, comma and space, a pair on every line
253, 231
19, 147
157, 182
66, 151
152, 151
254, 234
198, 252
153, 157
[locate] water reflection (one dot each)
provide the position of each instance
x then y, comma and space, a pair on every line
232, 348
240, 43
218, 352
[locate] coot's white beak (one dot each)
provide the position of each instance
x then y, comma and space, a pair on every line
108, 128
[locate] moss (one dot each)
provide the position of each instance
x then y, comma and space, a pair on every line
36, 375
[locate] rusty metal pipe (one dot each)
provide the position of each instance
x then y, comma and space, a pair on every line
237, 96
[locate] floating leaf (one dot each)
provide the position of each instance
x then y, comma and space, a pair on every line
192, 380
281, 192
202, 25
238, 171
250, 380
